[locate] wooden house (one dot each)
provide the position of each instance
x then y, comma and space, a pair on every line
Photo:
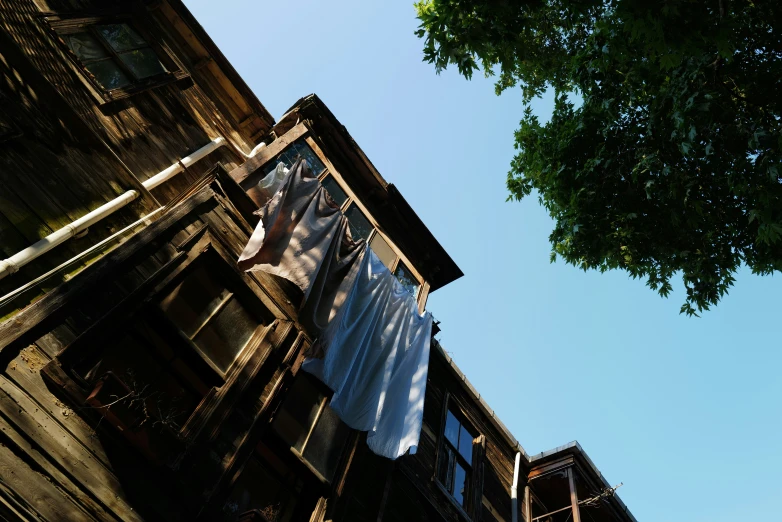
143, 376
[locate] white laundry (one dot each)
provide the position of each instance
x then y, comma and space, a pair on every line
374, 341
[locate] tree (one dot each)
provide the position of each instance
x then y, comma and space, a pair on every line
662, 155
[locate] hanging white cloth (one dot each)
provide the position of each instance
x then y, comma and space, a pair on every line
377, 359
265, 189
375, 343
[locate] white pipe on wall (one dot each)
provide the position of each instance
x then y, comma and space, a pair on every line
37, 249
18, 260
514, 491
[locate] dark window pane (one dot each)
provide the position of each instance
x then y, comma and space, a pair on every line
326, 442
406, 278
460, 485
359, 224
383, 250
445, 473
85, 46
334, 190
452, 427
465, 445
289, 155
226, 334
193, 300
298, 412
108, 74
121, 37
143, 63
302, 149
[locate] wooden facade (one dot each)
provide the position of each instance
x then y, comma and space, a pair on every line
150, 379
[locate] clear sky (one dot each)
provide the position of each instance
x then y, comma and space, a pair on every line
686, 412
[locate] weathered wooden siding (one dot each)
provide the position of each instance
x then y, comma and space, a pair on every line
58, 463
69, 157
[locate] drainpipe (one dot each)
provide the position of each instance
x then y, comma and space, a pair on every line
18, 260
514, 500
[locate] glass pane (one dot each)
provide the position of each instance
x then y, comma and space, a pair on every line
334, 190
193, 300
302, 149
383, 250
445, 473
86, 46
359, 224
460, 485
452, 427
289, 155
406, 278
143, 63
326, 442
226, 334
108, 74
298, 412
465, 445
121, 37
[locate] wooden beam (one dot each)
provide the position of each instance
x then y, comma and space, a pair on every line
527, 505
573, 495
249, 167
551, 467
35, 314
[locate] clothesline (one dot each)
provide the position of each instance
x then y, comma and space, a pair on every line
375, 343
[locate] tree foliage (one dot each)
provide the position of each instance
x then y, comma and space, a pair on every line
662, 155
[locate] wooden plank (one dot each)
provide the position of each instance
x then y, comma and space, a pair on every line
36, 313
31, 492
551, 467
21, 446
65, 452
24, 371
573, 495
244, 171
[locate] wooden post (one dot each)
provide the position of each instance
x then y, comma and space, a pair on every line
573, 495
527, 505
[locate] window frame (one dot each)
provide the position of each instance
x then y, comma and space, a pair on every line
65, 25
302, 132
207, 257
474, 493
143, 304
299, 454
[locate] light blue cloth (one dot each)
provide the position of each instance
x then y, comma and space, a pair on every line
377, 359
375, 343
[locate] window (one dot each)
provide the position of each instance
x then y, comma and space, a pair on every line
360, 227
267, 487
310, 427
406, 278
456, 459
289, 155
383, 250
334, 190
115, 56
210, 316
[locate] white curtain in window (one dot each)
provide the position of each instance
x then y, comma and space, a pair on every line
374, 342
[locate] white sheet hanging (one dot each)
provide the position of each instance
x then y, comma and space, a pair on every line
375, 344
377, 359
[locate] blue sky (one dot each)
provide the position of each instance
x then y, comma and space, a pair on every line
686, 412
